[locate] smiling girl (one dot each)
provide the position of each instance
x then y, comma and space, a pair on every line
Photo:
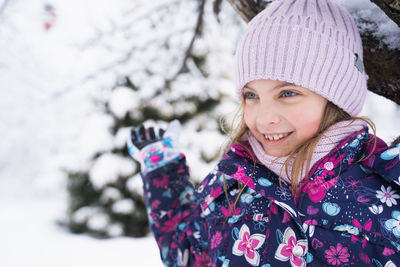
303, 182
280, 115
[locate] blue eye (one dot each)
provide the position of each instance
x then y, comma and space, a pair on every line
249, 95
287, 93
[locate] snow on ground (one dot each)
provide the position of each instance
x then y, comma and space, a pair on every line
30, 237
47, 120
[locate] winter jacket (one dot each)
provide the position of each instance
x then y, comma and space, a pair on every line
347, 214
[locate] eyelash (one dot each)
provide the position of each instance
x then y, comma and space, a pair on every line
288, 91
246, 95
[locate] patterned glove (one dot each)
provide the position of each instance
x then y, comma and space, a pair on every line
153, 149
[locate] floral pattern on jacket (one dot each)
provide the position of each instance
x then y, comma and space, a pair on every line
347, 214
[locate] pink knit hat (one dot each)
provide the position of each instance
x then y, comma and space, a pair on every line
311, 43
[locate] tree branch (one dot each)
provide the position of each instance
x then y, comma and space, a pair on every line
196, 33
246, 9
188, 51
391, 8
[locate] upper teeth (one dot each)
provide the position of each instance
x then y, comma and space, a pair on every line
275, 136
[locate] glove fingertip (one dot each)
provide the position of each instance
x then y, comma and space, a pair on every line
161, 133
152, 134
142, 133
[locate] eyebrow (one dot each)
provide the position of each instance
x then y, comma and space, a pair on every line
275, 87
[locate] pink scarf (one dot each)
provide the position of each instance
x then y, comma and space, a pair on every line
331, 138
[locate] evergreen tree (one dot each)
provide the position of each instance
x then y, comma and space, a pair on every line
175, 61
180, 66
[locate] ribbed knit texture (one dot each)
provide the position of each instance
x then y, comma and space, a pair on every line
331, 138
311, 43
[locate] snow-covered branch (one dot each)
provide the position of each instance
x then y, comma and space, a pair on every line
391, 8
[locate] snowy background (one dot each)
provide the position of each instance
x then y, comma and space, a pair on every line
49, 120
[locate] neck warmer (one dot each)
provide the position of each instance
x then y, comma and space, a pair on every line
329, 140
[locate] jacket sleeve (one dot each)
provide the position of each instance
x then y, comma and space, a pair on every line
387, 164
174, 215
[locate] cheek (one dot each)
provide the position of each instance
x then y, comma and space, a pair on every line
306, 121
249, 119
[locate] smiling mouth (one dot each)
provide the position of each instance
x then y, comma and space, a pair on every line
276, 137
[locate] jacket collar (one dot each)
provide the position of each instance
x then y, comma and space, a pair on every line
238, 165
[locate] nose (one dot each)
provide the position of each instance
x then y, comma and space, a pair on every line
268, 115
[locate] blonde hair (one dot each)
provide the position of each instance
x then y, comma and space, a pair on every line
301, 156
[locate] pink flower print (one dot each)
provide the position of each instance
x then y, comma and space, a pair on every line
173, 222
388, 251
247, 245
367, 227
230, 211
292, 249
224, 157
311, 210
216, 240
273, 208
155, 156
352, 184
329, 164
328, 168
316, 244
214, 193
155, 204
364, 257
363, 199
337, 255
161, 181
286, 217
239, 150
181, 168
155, 159
310, 225
316, 189
201, 260
311, 222
240, 175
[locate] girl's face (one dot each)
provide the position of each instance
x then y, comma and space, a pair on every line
281, 115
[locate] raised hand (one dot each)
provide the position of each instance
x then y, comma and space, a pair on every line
154, 148
142, 136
